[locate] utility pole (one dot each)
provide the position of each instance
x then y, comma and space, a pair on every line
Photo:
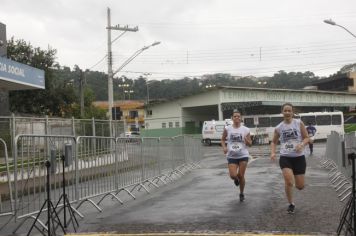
110, 72
81, 85
147, 89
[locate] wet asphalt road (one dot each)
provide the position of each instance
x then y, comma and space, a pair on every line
206, 201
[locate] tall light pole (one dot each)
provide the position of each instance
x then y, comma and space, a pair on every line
123, 86
110, 72
331, 22
147, 90
129, 92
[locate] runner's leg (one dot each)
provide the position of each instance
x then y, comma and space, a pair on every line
288, 183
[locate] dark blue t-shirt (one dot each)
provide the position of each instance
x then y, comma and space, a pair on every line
311, 130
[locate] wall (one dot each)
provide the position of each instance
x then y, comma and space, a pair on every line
164, 113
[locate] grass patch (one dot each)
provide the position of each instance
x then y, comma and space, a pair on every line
349, 128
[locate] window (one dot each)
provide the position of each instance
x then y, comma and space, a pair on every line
264, 122
336, 119
164, 125
170, 124
308, 119
133, 114
149, 112
177, 124
276, 120
219, 128
323, 120
248, 122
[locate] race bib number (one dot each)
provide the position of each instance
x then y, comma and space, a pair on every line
290, 146
235, 148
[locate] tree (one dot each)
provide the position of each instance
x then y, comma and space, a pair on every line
291, 80
90, 110
55, 97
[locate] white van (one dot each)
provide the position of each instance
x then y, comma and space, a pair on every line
212, 130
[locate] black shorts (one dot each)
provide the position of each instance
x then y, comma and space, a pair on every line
236, 161
297, 164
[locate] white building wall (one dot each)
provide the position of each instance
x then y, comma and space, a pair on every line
164, 113
172, 111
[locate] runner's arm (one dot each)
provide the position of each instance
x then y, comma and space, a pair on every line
223, 140
274, 145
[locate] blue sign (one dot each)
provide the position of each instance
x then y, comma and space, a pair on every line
21, 74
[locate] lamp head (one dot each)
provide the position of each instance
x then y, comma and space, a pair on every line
330, 22
155, 43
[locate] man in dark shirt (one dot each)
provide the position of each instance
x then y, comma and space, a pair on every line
311, 132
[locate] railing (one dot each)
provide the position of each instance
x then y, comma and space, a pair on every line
337, 148
6, 199
101, 167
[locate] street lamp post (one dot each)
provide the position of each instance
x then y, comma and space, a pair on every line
262, 82
129, 92
208, 86
123, 86
147, 90
331, 22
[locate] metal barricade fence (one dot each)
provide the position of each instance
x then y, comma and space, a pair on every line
335, 151
6, 198
29, 173
349, 147
193, 149
337, 148
166, 154
150, 158
130, 161
332, 146
178, 151
101, 166
96, 166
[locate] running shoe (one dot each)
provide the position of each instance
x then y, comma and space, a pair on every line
242, 197
237, 182
291, 209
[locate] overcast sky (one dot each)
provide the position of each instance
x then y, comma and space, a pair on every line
250, 37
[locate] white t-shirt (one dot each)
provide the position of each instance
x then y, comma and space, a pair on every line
290, 136
236, 147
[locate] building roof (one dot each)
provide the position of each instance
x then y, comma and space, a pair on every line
123, 104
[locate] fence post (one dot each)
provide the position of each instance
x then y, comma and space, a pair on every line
142, 162
93, 126
73, 126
